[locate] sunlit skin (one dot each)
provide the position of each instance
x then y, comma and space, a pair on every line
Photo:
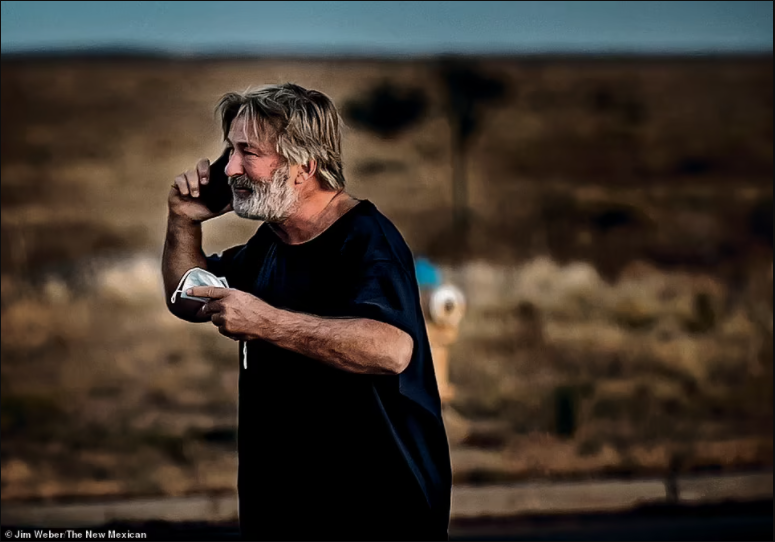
356, 345
260, 161
259, 179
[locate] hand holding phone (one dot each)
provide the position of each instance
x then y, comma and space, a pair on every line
202, 193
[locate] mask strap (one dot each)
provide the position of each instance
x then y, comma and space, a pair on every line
179, 289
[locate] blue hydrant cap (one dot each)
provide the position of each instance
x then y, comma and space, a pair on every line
428, 275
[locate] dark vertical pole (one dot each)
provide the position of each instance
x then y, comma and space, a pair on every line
459, 184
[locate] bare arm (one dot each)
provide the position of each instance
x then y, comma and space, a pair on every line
356, 345
183, 243
182, 251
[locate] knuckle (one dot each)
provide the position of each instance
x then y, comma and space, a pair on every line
194, 185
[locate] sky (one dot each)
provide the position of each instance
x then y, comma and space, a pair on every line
389, 28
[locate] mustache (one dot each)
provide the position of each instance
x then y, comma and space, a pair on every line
241, 182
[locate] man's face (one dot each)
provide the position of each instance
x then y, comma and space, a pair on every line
259, 178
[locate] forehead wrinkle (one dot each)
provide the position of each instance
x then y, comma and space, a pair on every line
256, 142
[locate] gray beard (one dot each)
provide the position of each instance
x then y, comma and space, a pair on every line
271, 200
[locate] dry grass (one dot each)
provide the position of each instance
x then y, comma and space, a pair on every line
623, 379
98, 385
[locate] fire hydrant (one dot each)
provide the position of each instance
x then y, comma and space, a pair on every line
443, 306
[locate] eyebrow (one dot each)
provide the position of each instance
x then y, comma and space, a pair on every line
243, 143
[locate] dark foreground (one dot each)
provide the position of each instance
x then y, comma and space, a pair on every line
725, 521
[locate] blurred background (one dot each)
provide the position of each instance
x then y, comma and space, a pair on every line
595, 177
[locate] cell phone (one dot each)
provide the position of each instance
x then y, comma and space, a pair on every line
217, 194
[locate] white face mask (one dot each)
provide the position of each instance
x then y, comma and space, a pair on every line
198, 277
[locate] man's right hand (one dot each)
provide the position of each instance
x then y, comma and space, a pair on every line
183, 197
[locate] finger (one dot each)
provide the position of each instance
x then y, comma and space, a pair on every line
192, 179
213, 292
181, 185
212, 307
203, 168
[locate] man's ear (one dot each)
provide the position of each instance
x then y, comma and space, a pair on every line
308, 170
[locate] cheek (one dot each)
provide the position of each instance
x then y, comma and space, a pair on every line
261, 168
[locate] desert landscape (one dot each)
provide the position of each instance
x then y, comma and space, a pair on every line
616, 259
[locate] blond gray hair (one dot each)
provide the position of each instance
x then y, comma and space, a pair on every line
303, 124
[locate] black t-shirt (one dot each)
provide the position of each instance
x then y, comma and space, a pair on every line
324, 452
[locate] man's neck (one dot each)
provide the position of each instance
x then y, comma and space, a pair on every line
314, 217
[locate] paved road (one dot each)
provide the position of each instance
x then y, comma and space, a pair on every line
467, 501
720, 521
732, 507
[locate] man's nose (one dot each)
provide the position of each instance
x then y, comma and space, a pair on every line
234, 166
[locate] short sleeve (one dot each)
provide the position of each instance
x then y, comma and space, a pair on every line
225, 264
385, 292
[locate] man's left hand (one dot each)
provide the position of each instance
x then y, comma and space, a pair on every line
237, 314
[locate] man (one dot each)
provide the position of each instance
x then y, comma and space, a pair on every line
340, 427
